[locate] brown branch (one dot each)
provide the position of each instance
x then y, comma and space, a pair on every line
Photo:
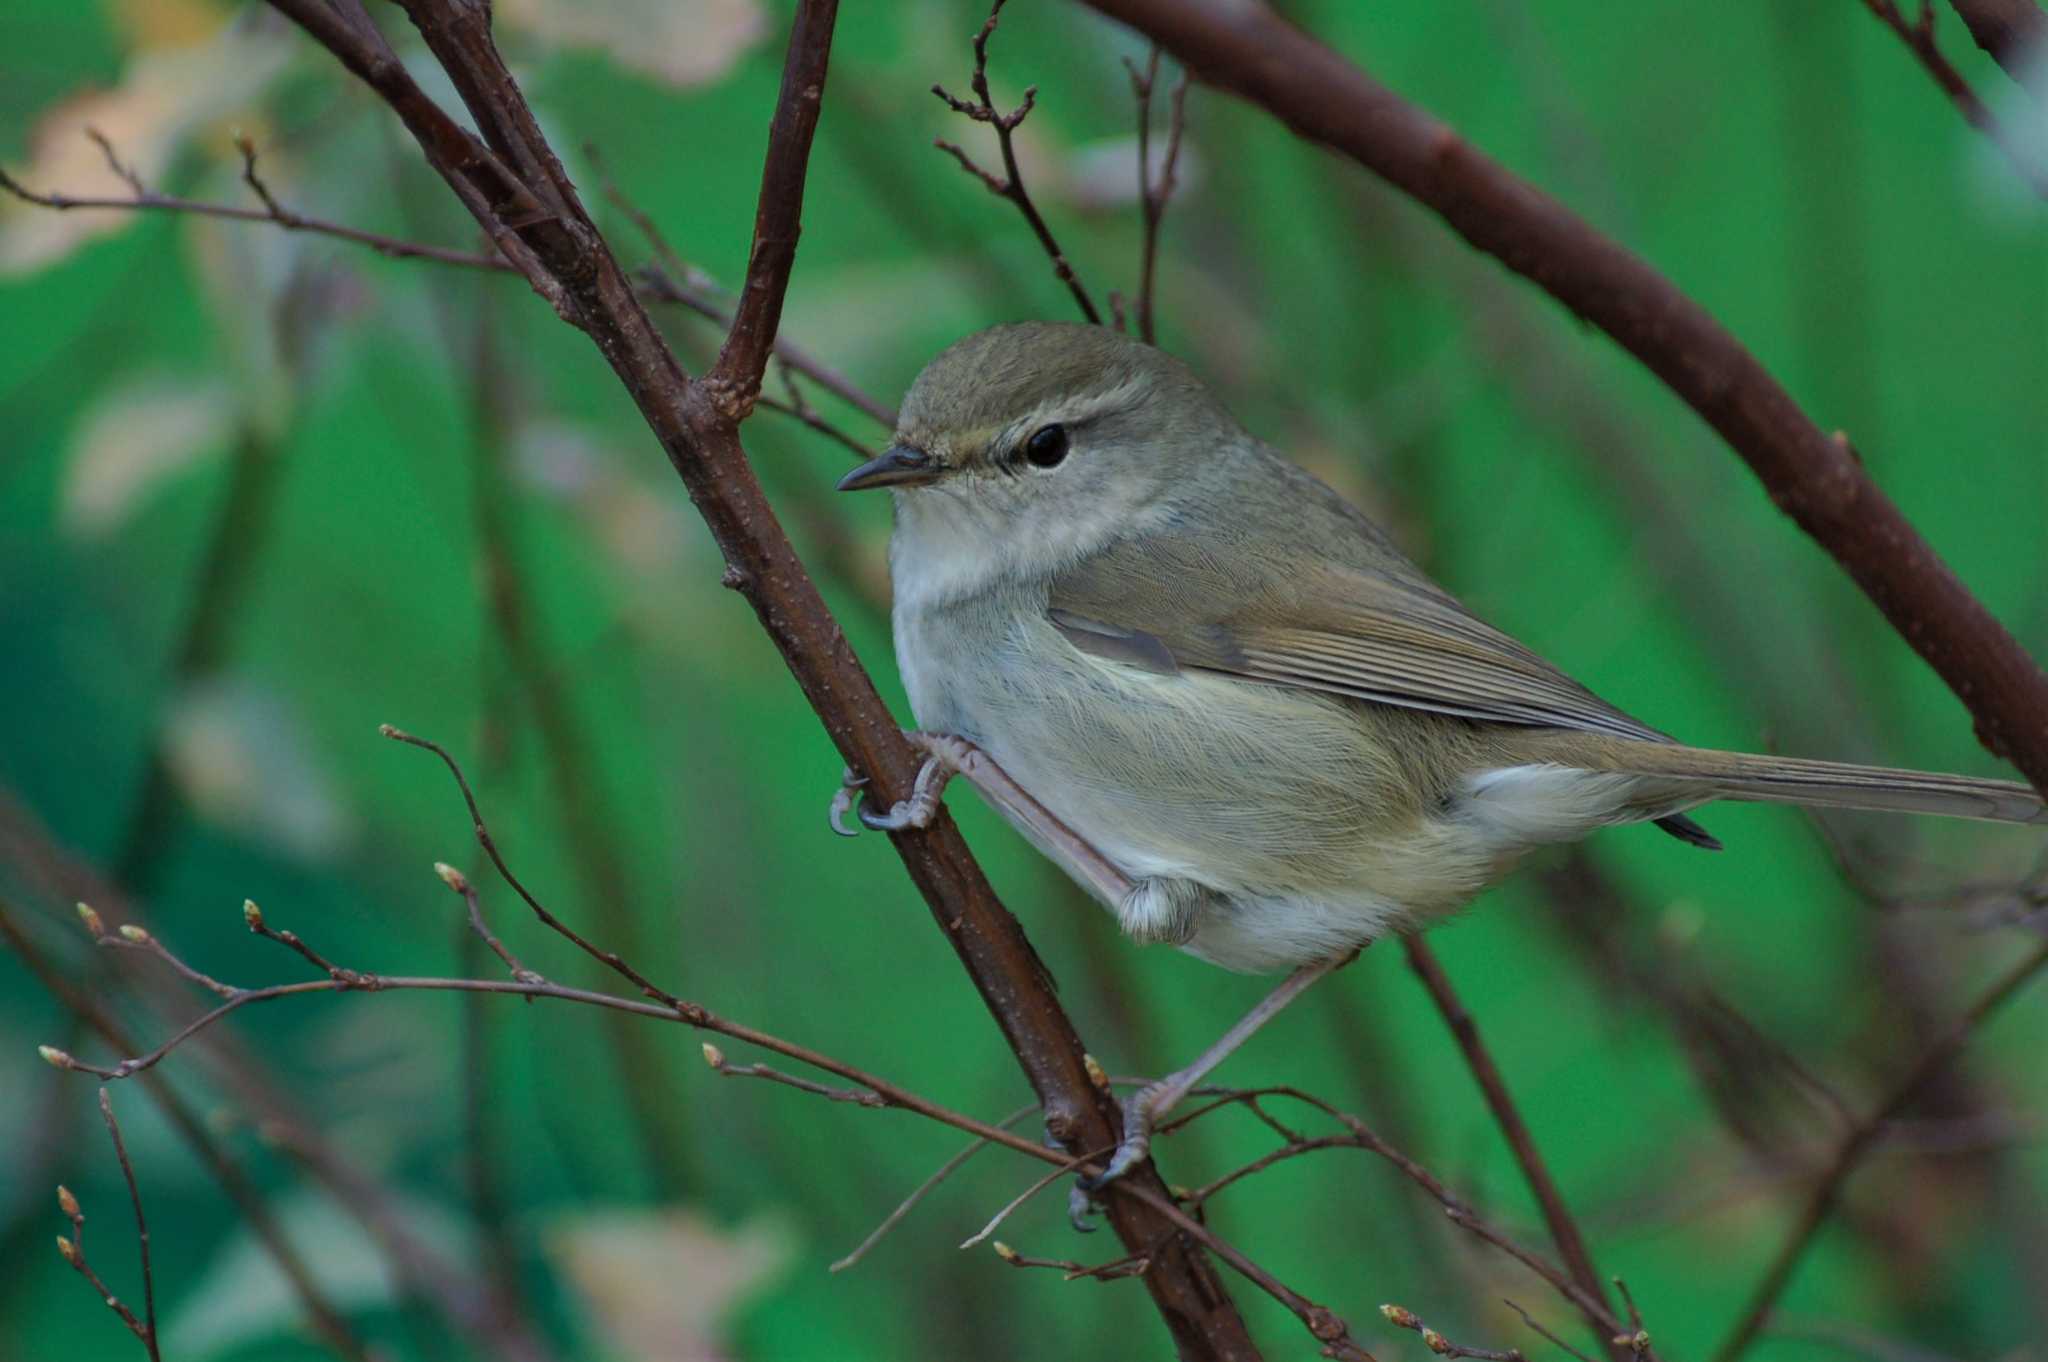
1918, 36
1361, 1136
1531, 1321
697, 428
1010, 184
1326, 1326
1152, 196
1564, 1230
325, 1318
1859, 1141
71, 1249
2014, 32
141, 1227
1816, 478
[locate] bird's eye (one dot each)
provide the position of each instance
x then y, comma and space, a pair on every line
1047, 446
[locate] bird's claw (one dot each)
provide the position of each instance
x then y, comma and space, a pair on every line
842, 800
1141, 1113
918, 811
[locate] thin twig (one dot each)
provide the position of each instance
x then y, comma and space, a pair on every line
925, 1188
715, 1057
1859, 1141
1130, 1265
1324, 1324
1530, 1320
1152, 196
1403, 1318
1010, 184
688, 289
610, 959
1564, 1230
141, 1226
1064, 1168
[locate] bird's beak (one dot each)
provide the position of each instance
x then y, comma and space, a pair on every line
898, 466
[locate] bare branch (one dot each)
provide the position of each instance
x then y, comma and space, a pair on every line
1130, 1265
141, 1226
1564, 1230
1816, 478
1859, 1141
1403, 1318
925, 1188
1152, 196
73, 1248
1010, 184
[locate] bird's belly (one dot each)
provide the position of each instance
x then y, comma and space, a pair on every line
1282, 801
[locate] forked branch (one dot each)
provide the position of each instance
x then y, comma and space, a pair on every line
1010, 184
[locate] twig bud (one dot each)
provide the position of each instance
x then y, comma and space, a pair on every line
1004, 1251
1096, 1073
68, 1203
1400, 1317
1637, 1342
388, 730
68, 1249
134, 933
92, 921
714, 1056
1437, 1343
56, 1058
252, 915
452, 877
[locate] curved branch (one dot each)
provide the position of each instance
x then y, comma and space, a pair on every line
1816, 478
512, 179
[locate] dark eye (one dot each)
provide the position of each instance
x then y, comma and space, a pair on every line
1047, 446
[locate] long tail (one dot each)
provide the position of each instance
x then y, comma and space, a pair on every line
1831, 784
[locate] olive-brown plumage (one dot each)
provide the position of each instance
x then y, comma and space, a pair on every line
1233, 684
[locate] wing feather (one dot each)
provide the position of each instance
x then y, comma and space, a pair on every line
1374, 629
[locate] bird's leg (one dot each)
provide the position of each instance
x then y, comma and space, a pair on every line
1155, 1099
947, 756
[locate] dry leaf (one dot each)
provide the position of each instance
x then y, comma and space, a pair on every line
244, 761
134, 440
164, 95
678, 42
658, 1284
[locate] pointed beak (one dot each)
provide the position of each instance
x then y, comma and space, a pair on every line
898, 466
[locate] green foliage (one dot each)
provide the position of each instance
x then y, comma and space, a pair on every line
383, 420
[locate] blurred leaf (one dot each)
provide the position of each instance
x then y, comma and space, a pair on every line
1102, 176
678, 42
658, 1284
244, 760
242, 1297
165, 94
138, 437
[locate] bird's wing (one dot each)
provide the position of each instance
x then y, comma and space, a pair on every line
1375, 629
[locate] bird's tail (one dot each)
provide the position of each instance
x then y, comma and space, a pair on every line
1829, 784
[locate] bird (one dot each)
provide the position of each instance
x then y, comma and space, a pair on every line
1223, 699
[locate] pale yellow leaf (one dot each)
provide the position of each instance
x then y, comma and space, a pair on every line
133, 441
659, 1284
165, 95
678, 42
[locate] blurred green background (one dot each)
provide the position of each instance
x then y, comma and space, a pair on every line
260, 492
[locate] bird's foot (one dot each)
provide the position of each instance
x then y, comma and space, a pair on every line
1141, 1117
945, 755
